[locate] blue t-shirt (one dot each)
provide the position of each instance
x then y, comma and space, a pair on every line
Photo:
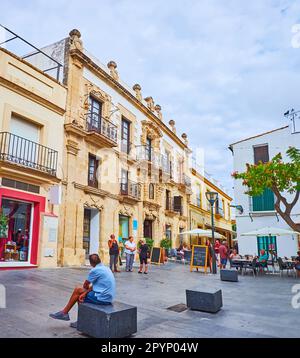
103, 281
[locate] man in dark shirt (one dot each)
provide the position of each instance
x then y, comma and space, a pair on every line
143, 251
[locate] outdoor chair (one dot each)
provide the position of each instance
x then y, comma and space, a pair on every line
272, 262
283, 266
236, 265
172, 255
251, 266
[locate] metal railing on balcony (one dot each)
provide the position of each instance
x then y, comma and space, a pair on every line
130, 189
21, 151
186, 180
173, 206
103, 126
145, 153
126, 147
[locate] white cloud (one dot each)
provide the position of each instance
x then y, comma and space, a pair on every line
222, 70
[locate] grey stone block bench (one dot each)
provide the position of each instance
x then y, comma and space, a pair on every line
209, 300
229, 275
107, 321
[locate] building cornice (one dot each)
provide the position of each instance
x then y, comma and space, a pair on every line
207, 213
209, 183
123, 91
32, 96
32, 66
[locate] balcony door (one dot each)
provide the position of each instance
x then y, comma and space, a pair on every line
91, 229
124, 182
125, 136
148, 229
95, 114
23, 145
168, 200
148, 149
178, 204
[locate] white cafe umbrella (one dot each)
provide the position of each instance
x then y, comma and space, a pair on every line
201, 232
270, 231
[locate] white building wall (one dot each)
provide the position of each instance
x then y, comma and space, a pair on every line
278, 141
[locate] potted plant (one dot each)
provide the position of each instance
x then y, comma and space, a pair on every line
150, 243
3, 226
166, 244
3, 232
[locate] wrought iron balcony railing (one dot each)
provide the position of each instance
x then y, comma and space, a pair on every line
21, 151
145, 153
131, 189
186, 180
103, 126
171, 205
126, 147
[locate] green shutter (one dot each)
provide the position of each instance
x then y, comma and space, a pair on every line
264, 202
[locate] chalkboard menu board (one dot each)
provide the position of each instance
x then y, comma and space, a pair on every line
155, 257
199, 257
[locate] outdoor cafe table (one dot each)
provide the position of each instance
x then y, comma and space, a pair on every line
241, 262
290, 263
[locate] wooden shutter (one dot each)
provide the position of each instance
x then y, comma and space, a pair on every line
264, 202
261, 153
177, 203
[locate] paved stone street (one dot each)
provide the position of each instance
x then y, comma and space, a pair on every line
253, 307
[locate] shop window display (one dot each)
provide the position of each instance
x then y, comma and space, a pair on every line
15, 241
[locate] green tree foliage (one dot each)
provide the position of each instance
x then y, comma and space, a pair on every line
281, 177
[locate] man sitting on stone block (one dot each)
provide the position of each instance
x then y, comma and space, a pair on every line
99, 289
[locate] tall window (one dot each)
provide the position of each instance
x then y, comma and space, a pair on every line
148, 149
124, 181
151, 191
125, 136
168, 232
95, 113
178, 204
261, 153
220, 206
92, 171
168, 200
198, 196
266, 201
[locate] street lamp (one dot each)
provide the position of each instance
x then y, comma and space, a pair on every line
212, 197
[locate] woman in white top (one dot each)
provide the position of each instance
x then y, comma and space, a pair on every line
130, 250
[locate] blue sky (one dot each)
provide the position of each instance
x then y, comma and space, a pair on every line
223, 70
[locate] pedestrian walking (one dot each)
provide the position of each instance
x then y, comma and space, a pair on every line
113, 253
143, 251
130, 250
223, 250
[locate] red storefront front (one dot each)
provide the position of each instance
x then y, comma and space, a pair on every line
20, 244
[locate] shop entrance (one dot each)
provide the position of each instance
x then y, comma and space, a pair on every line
15, 243
91, 230
123, 227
